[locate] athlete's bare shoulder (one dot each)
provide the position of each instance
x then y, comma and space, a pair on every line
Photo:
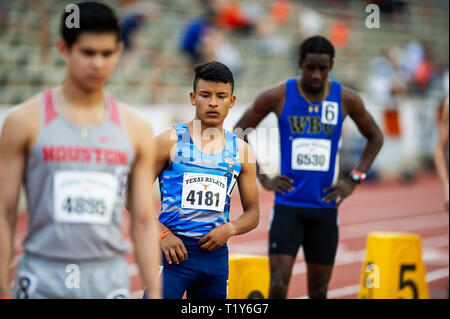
351, 101
167, 137
271, 99
165, 141
23, 121
138, 129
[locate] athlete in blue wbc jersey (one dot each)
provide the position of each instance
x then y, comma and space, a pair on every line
310, 111
199, 163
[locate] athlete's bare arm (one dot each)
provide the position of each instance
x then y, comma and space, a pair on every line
439, 152
271, 100
353, 106
248, 191
171, 245
18, 133
144, 227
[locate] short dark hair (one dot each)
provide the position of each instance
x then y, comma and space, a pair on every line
94, 17
214, 71
318, 45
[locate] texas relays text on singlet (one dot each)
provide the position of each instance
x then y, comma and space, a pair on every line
196, 187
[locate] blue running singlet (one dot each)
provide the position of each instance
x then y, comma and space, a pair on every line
196, 187
309, 141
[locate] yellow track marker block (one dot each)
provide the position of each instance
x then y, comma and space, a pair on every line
393, 268
249, 277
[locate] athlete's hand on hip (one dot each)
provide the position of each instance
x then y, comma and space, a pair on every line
173, 249
216, 238
280, 183
339, 191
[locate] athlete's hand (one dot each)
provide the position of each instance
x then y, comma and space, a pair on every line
217, 237
339, 191
280, 183
173, 249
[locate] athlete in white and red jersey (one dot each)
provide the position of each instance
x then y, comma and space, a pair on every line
77, 151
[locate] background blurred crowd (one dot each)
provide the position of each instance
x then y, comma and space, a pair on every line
400, 68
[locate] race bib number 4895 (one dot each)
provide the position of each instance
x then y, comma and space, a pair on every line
84, 197
311, 154
204, 191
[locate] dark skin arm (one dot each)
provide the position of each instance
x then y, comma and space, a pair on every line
353, 106
271, 100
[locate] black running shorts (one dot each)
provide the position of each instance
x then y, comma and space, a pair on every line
315, 229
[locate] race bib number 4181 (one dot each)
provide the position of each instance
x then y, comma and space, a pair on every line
311, 154
84, 197
204, 191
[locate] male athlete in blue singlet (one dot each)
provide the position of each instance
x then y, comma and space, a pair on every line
198, 164
310, 113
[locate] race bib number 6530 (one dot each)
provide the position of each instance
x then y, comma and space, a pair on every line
311, 154
84, 197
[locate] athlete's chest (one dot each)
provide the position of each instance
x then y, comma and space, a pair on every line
312, 119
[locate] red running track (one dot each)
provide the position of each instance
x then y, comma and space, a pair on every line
390, 206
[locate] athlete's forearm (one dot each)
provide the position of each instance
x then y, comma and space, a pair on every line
6, 252
148, 253
441, 166
370, 151
248, 221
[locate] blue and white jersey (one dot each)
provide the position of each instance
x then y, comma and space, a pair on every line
196, 187
309, 140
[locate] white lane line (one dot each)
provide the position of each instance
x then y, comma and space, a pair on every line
437, 274
259, 246
350, 290
396, 225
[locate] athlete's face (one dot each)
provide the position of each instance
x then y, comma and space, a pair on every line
212, 100
92, 58
315, 69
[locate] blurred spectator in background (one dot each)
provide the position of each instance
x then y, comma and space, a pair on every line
136, 14
310, 22
216, 47
205, 38
384, 77
280, 11
416, 67
44, 15
394, 10
253, 10
193, 32
422, 76
231, 17
339, 32
269, 41
441, 152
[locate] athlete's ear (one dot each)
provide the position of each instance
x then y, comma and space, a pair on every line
63, 48
192, 97
300, 63
119, 47
233, 99
331, 64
